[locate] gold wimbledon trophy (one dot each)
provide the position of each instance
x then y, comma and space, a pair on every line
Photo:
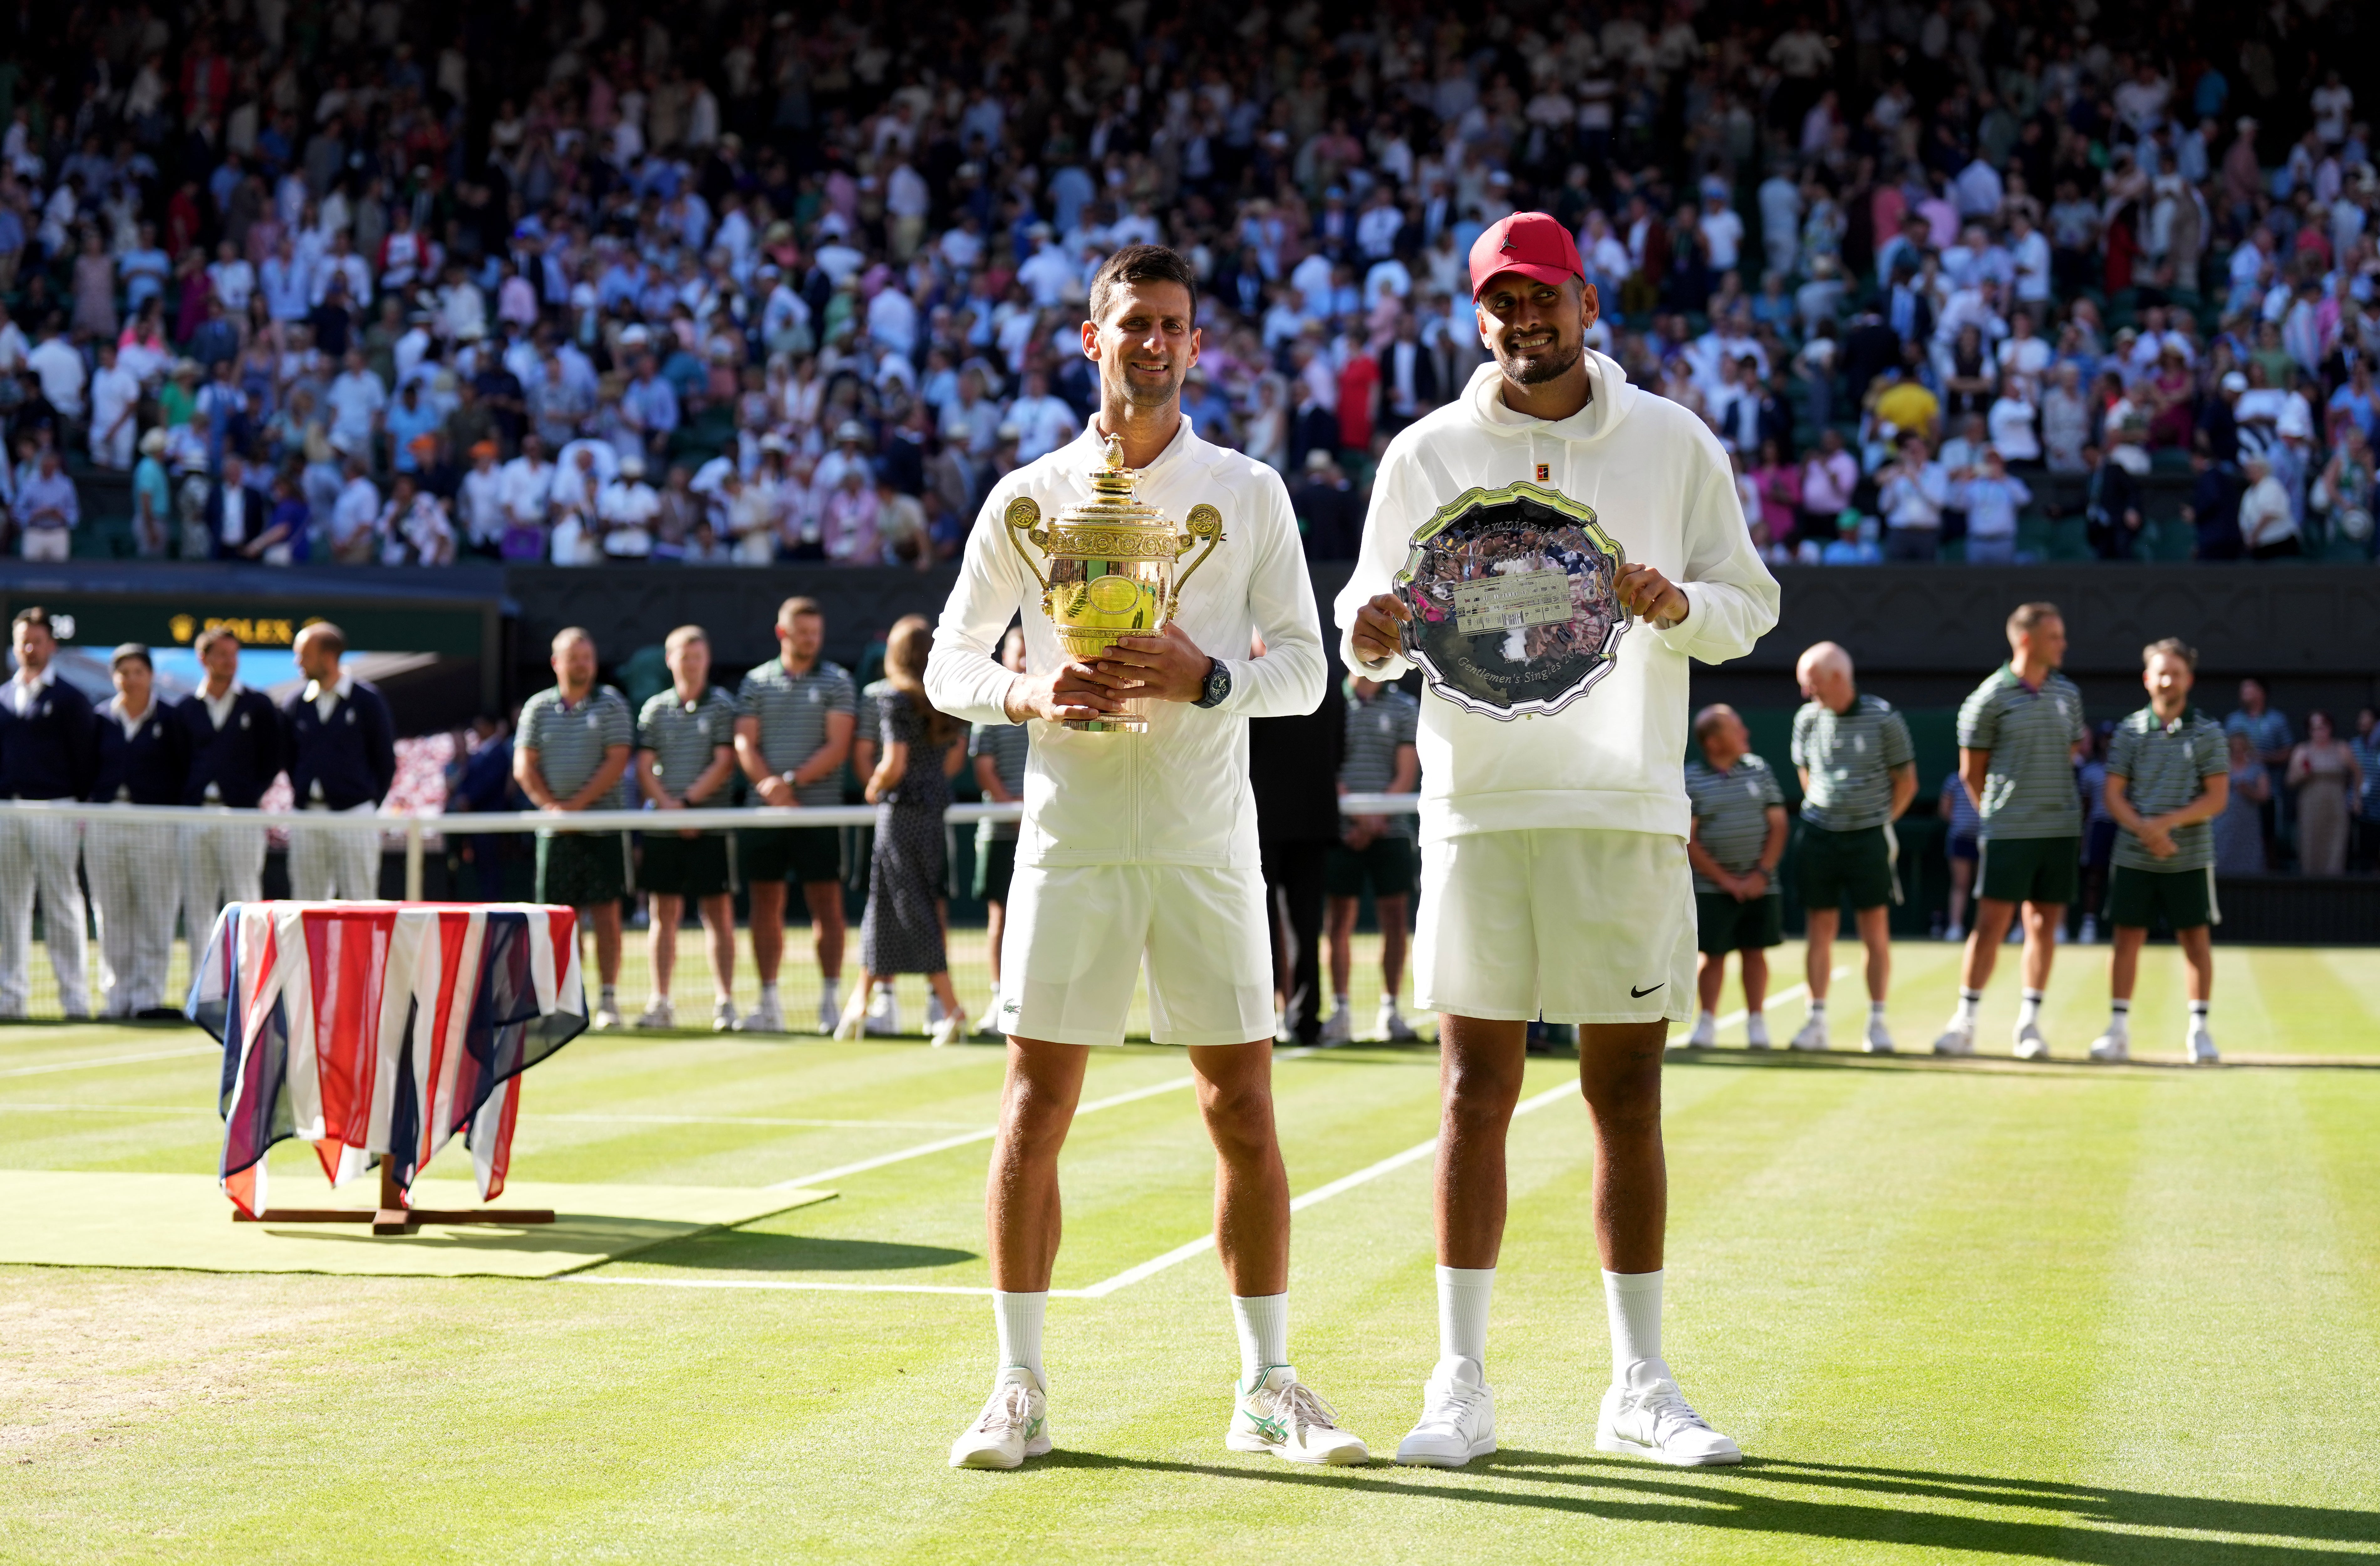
1113, 570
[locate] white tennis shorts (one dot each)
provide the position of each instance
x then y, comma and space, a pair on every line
1078, 935
1568, 923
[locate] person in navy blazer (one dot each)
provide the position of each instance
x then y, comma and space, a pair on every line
341, 747
48, 751
232, 742
238, 510
144, 758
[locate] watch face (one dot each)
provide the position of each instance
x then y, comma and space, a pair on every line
1515, 613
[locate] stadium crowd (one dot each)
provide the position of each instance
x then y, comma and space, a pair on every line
376, 283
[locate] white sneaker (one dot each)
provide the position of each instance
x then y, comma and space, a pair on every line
1879, 1037
883, 1013
951, 1029
1458, 1419
2202, 1048
722, 1016
1955, 935
769, 1016
2089, 934
1013, 1426
1958, 1038
1391, 1025
606, 1018
1281, 1033
1337, 1028
2111, 1047
659, 1013
854, 1022
1283, 1415
934, 1010
1645, 1415
830, 1013
1756, 1033
1704, 1035
1812, 1037
990, 1026
2030, 1044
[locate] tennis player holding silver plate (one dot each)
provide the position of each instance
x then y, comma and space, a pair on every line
1550, 550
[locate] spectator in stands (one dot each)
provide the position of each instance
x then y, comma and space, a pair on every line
340, 743
47, 509
2365, 854
1912, 493
238, 511
143, 758
2267, 732
49, 743
2268, 523
2327, 779
576, 739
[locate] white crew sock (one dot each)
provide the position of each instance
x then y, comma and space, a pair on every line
830, 991
2028, 1011
1818, 1008
1463, 1311
1755, 1027
1633, 1302
768, 990
1706, 1022
1019, 1318
1339, 1000
1263, 1322
1970, 1003
2120, 1019
1876, 1010
608, 998
2198, 1010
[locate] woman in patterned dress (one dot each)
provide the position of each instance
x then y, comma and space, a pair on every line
902, 931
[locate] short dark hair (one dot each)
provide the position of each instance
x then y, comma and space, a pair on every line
131, 652
794, 609
2028, 615
1142, 263
212, 635
32, 614
2171, 647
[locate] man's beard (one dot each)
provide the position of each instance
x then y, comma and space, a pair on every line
1144, 393
1536, 370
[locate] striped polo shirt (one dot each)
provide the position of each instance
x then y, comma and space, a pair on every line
570, 740
1730, 810
792, 710
2029, 788
2164, 766
1007, 745
681, 739
1850, 757
1376, 727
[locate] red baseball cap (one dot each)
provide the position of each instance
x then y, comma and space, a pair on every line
1536, 245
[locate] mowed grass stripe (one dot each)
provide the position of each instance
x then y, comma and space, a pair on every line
2214, 1351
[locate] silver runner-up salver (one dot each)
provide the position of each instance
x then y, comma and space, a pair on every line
1514, 608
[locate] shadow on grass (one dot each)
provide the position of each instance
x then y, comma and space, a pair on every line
737, 1250
2086, 1522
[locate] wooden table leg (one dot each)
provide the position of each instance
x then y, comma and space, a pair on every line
394, 1216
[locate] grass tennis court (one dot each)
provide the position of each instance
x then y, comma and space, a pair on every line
1953, 1311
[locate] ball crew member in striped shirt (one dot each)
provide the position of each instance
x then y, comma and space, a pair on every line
795, 719
2168, 776
2017, 736
686, 754
574, 743
1374, 851
1737, 837
1858, 772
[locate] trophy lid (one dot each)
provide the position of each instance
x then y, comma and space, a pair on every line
1114, 503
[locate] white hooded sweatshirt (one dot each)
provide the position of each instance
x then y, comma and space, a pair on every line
1662, 489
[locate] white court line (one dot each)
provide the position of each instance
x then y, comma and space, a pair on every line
109, 1109
114, 1060
772, 1285
759, 1119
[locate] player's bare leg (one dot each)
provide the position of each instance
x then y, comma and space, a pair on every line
1819, 926
1992, 915
767, 953
1876, 936
2042, 923
663, 910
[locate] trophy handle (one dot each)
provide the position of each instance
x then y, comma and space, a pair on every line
1204, 522
1023, 518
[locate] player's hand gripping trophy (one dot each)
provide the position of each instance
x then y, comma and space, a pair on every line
1114, 571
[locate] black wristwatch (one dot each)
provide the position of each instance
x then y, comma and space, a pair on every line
1219, 683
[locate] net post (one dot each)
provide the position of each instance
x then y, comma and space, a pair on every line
413, 859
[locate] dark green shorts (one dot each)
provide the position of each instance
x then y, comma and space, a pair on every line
2137, 899
1386, 866
803, 855
995, 866
681, 866
1723, 925
2031, 869
581, 870
1837, 867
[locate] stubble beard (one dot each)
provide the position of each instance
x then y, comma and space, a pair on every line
1536, 370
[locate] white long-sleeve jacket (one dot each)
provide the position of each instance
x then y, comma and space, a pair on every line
1177, 794
1661, 485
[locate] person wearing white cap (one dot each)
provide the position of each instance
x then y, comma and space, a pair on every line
1568, 833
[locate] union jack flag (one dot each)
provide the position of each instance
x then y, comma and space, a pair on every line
378, 1030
